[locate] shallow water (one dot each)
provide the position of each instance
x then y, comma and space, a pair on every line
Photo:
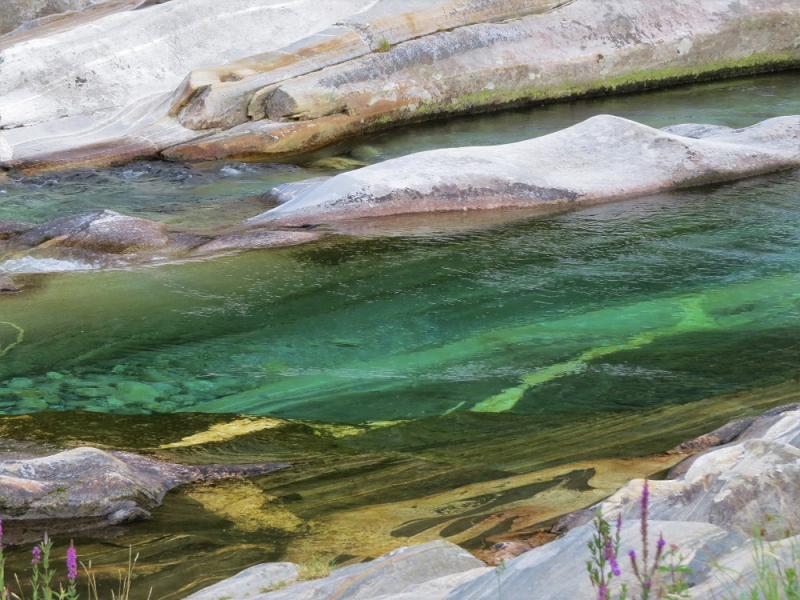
496, 338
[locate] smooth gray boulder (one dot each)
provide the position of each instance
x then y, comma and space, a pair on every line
392, 573
88, 482
250, 582
603, 158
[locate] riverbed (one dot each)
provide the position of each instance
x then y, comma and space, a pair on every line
429, 377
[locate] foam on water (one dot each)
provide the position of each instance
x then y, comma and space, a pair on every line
30, 264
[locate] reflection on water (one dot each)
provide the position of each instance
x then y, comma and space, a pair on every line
422, 366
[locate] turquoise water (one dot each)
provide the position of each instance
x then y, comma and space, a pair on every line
664, 299
514, 341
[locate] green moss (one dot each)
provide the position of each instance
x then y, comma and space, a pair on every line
631, 82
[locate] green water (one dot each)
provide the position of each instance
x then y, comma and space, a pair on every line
663, 299
493, 333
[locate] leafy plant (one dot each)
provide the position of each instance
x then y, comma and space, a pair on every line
41, 579
650, 575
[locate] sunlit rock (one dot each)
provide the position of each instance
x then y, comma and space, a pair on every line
603, 158
746, 484
291, 78
99, 80
586, 47
401, 570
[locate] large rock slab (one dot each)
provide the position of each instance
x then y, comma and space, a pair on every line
112, 76
392, 573
235, 93
88, 482
250, 582
746, 484
350, 66
600, 159
585, 47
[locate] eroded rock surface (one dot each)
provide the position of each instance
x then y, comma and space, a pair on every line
14, 13
297, 77
752, 482
114, 75
88, 482
600, 159
403, 571
580, 48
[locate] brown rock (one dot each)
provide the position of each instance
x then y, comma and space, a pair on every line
9, 229
99, 230
7, 285
257, 239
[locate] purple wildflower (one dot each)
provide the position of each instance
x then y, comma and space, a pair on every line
602, 593
37, 555
1, 530
72, 562
611, 557
632, 554
619, 524
645, 497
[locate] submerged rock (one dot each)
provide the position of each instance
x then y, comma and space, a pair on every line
88, 482
603, 158
256, 239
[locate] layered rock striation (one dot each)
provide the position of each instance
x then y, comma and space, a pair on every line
294, 78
